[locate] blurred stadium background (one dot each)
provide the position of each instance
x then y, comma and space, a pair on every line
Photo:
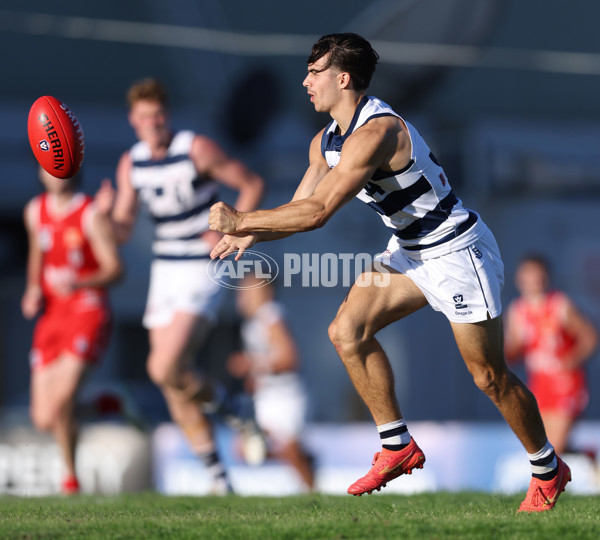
506, 93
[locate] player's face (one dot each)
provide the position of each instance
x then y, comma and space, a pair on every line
150, 122
250, 299
531, 279
322, 85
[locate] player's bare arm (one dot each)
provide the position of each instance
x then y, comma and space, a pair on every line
513, 341
31, 302
126, 201
239, 242
586, 337
284, 355
104, 246
371, 147
212, 161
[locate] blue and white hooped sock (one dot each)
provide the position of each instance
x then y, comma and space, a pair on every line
543, 463
213, 463
394, 435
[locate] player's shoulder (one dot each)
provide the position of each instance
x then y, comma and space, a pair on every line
382, 132
138, 151
271, 312
36, 199
31, 210
559, 299
183, 138
319, 136
35, 202
377, 113
381, 124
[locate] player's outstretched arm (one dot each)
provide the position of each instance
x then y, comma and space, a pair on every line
124, 211
513, 337
363, 152
586, 336
104, 246
32, 299
233, 243
212, 161
239, 242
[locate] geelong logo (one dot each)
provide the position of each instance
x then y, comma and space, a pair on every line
230, 273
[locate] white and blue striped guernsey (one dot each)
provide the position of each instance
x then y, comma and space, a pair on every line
417, 202
177, 198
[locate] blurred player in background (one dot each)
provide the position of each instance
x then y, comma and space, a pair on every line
268, 364
439, 253
72, 259
547, 331
177, 176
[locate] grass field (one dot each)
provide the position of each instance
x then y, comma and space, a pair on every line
427, 516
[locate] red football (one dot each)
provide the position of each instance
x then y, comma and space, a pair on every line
56, 137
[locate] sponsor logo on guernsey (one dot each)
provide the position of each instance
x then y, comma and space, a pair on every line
476, 252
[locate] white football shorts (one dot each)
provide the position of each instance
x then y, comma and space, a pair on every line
180, 286
464, 285
280, 404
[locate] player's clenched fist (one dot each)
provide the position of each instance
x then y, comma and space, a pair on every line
223, 218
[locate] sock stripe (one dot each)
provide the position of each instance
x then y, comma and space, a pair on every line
546, 476
545, 460
209, 458
393, 432
544, 464
394, 435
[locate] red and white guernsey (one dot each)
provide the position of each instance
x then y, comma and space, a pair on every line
66, 252
547, 346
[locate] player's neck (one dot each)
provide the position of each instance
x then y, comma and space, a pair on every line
344, 110
61, 201
160, 148
535, 298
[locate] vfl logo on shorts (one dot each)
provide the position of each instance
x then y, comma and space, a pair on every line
458, 304
44, 145
458, 301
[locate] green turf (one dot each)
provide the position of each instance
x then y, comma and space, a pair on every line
427, 516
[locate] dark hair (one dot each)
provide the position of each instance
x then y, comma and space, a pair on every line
347, 52
539, 259
147, 90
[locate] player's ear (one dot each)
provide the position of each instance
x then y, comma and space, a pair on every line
345, 80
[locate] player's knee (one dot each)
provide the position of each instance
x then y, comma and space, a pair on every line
160, 371
345, 336
490, 382
43, 418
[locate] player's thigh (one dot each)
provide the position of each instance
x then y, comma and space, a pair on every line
376, 300
481, 345
181, 337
